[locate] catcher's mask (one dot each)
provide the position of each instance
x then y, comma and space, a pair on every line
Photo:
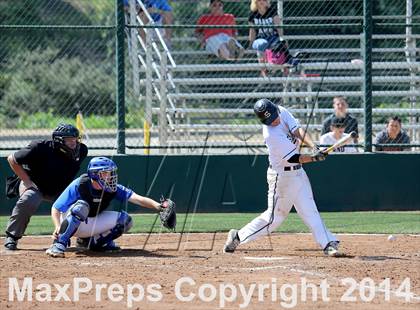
104, 171
266, 111
66, 131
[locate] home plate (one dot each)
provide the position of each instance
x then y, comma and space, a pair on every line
265, 258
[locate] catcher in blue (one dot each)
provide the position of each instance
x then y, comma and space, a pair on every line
80, 210
288, 184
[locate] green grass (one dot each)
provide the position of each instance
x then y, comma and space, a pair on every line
338, 222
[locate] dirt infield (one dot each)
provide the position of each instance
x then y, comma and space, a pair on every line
284, 271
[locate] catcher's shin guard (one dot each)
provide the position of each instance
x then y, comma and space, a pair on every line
124, 223
78, 213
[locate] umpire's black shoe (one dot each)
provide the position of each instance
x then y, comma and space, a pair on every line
82, 242
10, 244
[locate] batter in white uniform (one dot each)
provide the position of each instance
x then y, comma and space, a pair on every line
288, 184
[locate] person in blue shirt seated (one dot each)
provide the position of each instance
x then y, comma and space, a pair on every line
161, 13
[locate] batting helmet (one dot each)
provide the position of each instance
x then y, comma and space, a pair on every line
104, 171
66, 131
266, 111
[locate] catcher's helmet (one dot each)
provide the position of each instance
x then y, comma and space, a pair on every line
66, 131
108, 180
266, 111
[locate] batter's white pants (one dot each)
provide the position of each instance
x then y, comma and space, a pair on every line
100, 224
287, 189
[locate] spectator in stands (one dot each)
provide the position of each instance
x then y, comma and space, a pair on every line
265, 40
392, 135
337, 132
219, 41
340, 110
161, 13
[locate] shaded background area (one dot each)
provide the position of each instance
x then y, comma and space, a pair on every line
356, 182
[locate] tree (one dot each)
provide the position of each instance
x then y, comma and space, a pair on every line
43, 82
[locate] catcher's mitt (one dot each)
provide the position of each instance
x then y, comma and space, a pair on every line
167, 213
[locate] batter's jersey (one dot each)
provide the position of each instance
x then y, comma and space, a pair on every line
98, 200
280, 141
329, 139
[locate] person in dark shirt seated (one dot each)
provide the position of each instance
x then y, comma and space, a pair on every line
392, 135
340, 106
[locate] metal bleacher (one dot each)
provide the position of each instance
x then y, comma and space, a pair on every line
194, 94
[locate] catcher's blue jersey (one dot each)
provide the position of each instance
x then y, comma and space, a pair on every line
96, 198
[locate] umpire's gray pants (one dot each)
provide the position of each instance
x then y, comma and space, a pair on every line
27, 204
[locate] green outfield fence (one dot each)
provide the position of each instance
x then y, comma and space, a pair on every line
135, 86
237, 183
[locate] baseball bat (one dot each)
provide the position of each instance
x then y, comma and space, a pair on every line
344, 140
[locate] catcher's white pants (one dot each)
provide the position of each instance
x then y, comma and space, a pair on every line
287, 189
100, 224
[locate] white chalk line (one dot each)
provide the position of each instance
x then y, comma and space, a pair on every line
287, 268
265, 258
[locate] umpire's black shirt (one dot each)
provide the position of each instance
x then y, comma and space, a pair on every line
47, 167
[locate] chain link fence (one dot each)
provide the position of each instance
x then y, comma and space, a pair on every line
191, 78
57, 59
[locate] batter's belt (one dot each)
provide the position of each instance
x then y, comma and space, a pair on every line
290, 168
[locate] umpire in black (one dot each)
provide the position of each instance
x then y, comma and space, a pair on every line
44, 169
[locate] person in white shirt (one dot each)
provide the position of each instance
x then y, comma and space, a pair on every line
288, 184
337, 128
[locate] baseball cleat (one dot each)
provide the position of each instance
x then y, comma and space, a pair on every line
10, 244
109, 247
56, 250
332, 249
232, 241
